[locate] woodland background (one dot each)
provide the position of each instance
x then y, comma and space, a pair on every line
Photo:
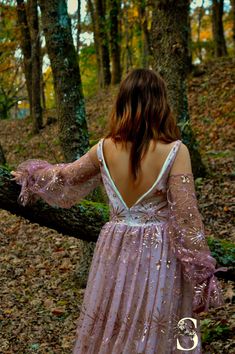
60, 66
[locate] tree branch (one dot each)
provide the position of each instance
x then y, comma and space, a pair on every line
82, 221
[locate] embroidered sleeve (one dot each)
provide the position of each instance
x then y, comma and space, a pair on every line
62, 184
188, 242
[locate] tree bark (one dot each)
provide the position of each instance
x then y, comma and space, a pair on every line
170, 36
78, 25
96, 42
32, 16
218, 28
115, 50
189, 64
2, 156
146, 47
233, 20
200, 15
43, 93
25, 43
70, 105
128, 32
43, 83
100, 14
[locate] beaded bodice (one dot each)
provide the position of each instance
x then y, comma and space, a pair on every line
151, 207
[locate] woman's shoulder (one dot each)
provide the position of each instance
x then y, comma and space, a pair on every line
93, 154
182, 162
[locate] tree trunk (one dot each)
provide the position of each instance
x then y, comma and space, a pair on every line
2, 156
218, 28
189, 64
100, 18
25, 43
82, 221
233, 21
146, 47
43, 92
78, 25
43, 83
70, 103
200, 15
128, 32
170, 36
96, 42
32, 16
115, 50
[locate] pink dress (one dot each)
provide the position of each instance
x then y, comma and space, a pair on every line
151, 266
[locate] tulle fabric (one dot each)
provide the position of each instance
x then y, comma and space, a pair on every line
62, 185
188, 241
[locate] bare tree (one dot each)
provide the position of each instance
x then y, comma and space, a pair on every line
103, 40
170, 38
78, 25
115, 49
200, 15
32, 16
127, 57
91, 10
2, 156
25, 43
143, 19
70, 103
218, 28
232, 2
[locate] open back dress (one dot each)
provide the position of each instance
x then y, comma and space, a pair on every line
152, 272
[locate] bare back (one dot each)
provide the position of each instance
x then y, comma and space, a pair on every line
118, 164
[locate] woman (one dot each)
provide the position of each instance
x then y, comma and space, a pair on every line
151, 267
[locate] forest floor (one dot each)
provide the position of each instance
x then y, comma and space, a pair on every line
40, 297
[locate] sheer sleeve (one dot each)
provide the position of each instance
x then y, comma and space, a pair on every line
188, 242
61, 185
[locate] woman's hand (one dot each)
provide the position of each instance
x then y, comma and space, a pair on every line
16, 175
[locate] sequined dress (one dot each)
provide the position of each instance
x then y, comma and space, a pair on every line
151, 265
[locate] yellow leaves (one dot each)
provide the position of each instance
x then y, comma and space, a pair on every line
49, 88
8, 311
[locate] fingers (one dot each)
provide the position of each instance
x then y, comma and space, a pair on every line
15, 174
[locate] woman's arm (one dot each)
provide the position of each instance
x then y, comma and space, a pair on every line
62, 184
187, 235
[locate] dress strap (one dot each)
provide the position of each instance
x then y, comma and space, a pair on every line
99, 152
170, 160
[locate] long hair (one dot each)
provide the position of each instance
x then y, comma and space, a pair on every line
141, 112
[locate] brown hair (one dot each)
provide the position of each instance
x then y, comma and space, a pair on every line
141, 113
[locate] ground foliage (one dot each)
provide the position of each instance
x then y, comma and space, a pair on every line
40, 298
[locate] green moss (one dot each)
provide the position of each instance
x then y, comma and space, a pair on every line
223, 251
213, 331
102, 120
93, 142
94, 208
